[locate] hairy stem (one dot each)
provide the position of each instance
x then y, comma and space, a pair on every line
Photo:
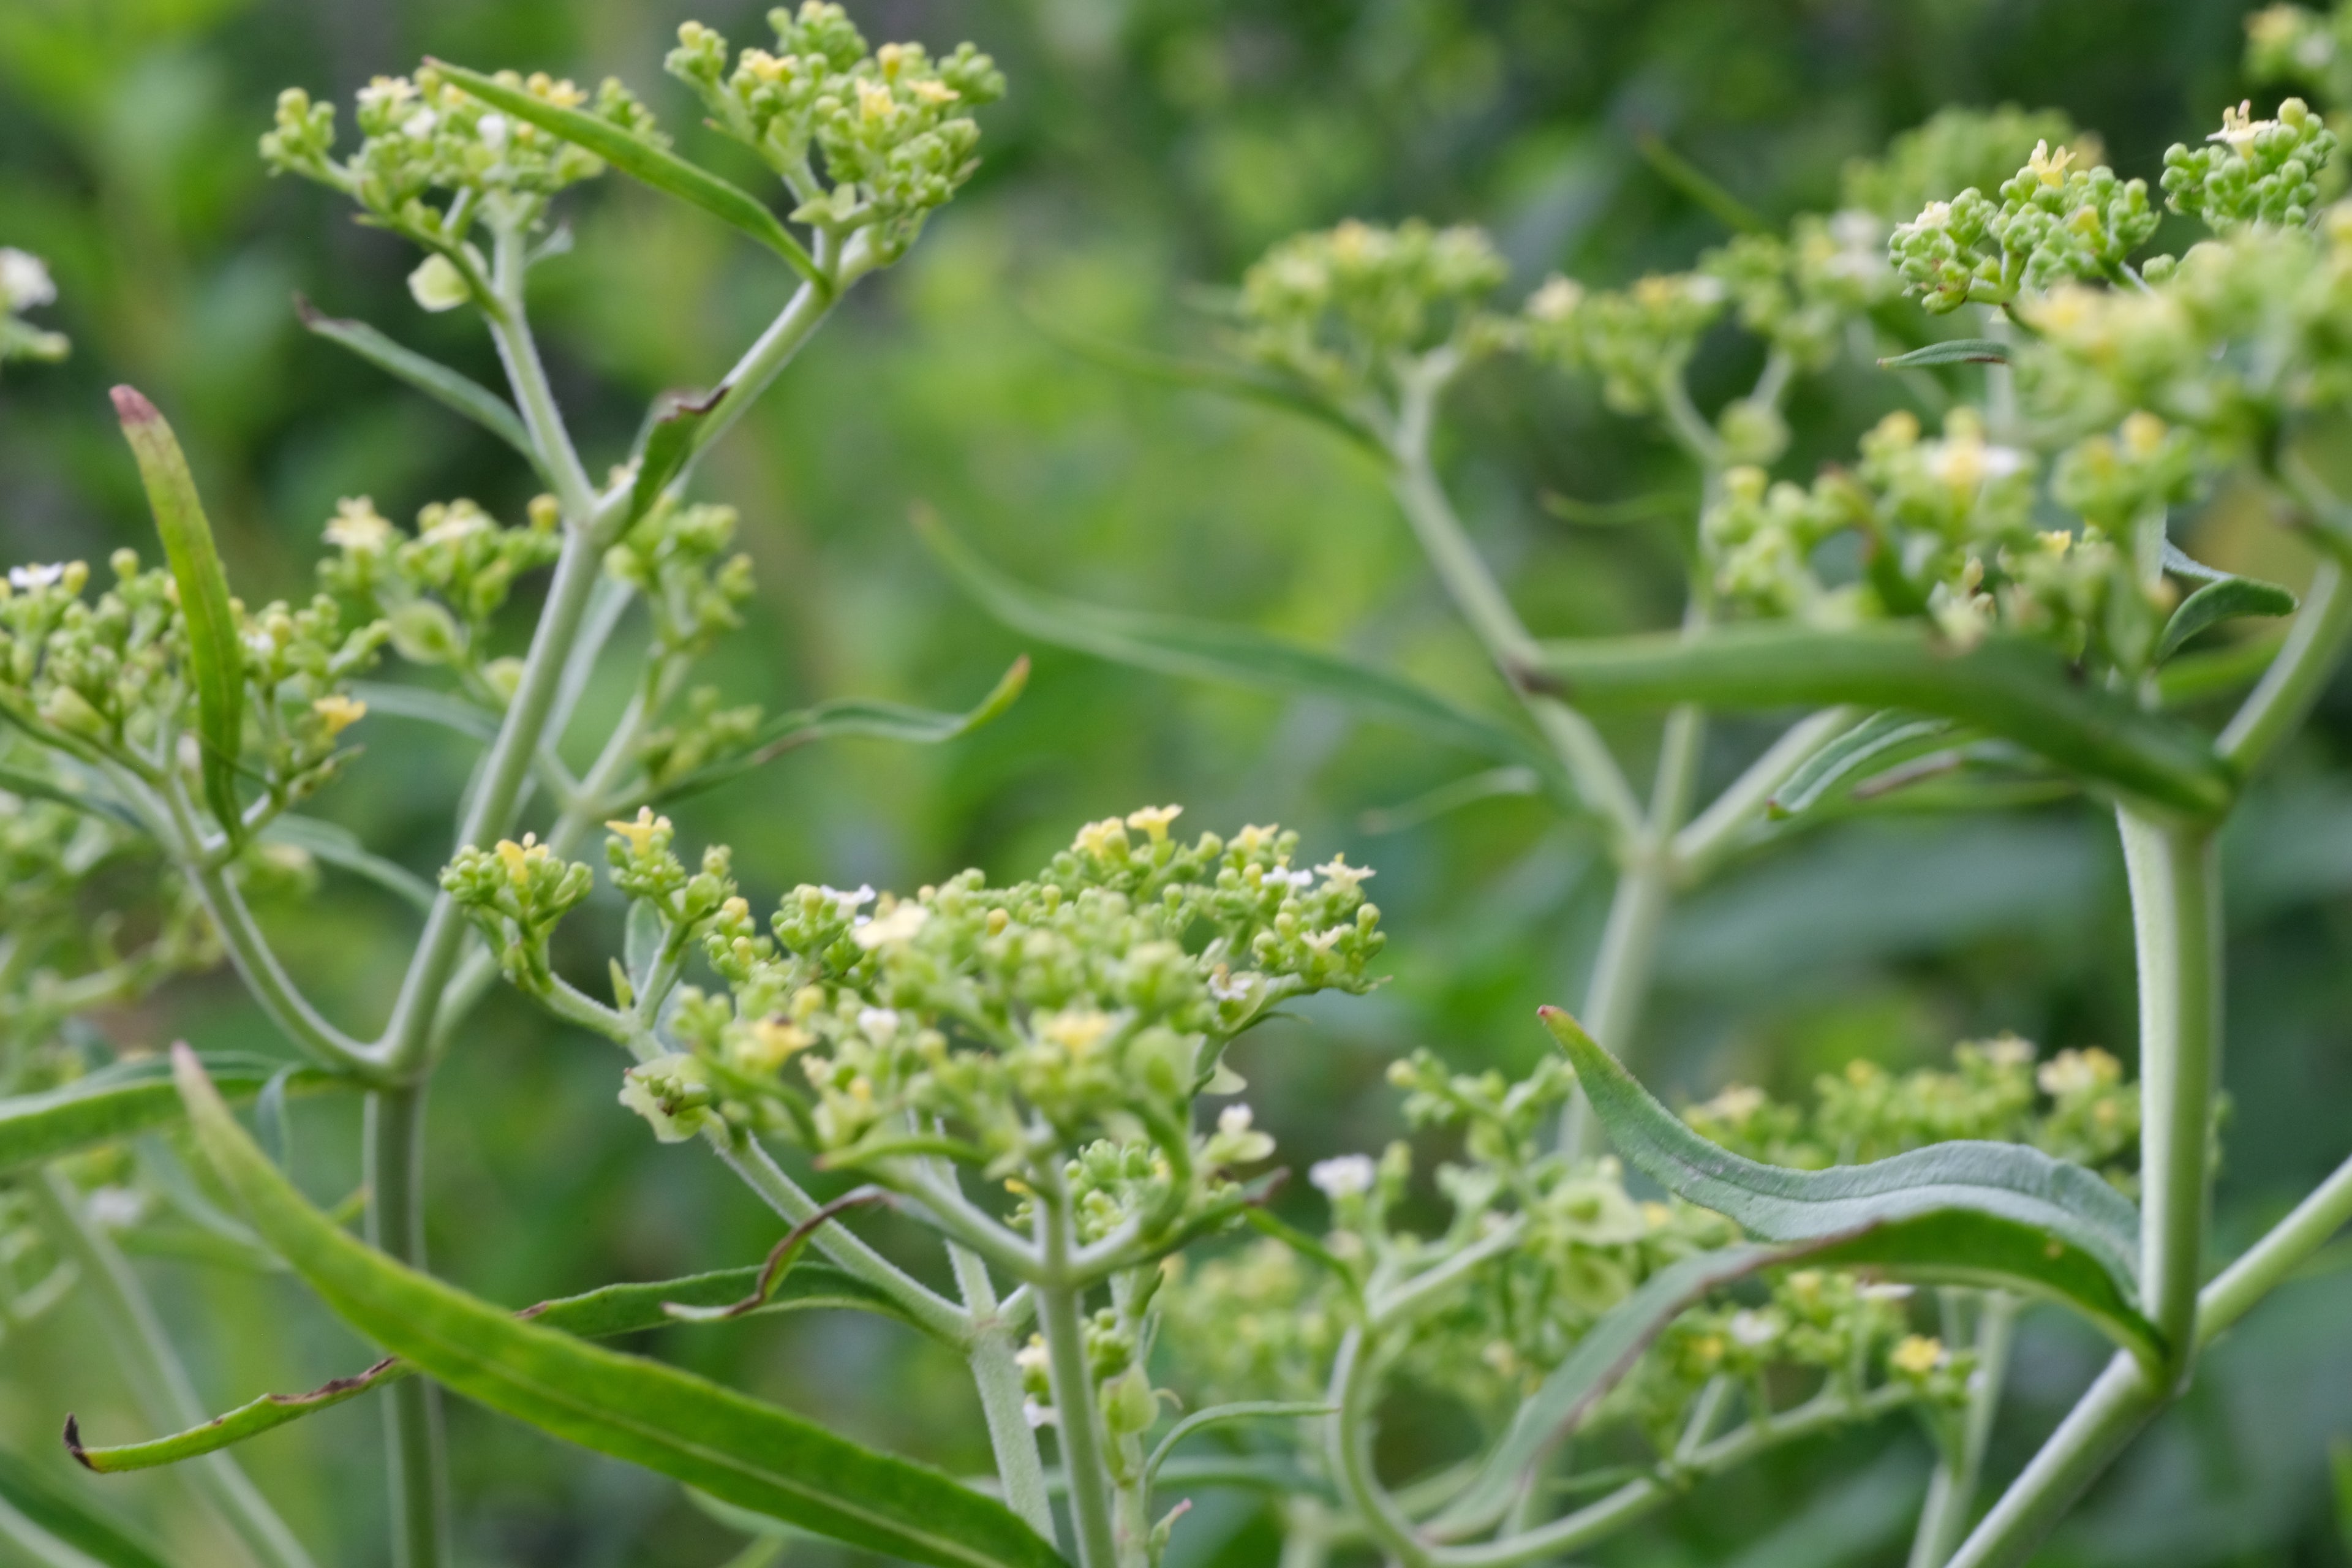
1076, 1419
1002, 1403
1951, 1490
159, 1384
2117, 1406
2269, 1261
416, 1467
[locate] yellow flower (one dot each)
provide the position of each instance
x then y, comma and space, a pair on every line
874, 102
1101, 840
1153, 820
640, 831
1076, 1031
357, 525
767, 1044
2048, 166
1250, 839
519, 858
339, 712
1917, 1355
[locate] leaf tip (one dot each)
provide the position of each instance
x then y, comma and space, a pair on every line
1563, 1027
132, 406
73, 1443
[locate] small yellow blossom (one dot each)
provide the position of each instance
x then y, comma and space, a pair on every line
640, 832
339, 712
2050, 167
1917, 1355
1336, 873
1077, 1030
357, 525
1103, 839
1153, 820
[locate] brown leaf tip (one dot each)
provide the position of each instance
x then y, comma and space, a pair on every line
73, 1444
130, 406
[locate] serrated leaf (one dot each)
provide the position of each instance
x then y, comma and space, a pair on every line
116, 1102
460, 394
1212, 651
602, 1313
628, 1407
863, 717
2005, 686
70, 1520
1877, 742
339, 846
2216, 602
649, 161
215, 663
2034, 1223
1952, 350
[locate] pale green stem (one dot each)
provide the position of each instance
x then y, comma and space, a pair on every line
2284, 697
1077, 1422
1952, 1489
415, 1460
1305, 1533
1003, 1404
1700, 847
1400, 1303
1349, 1433
2269, 1261
519, 352
2108, 1417
159, 1384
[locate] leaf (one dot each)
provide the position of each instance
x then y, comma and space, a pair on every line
779, 1264
1870, 745
116, 1101
644, 160
670, 440
603, 1313
2006, 685
1209, 650
864, 717
427, 706
1697, 184
339, 846
2002, 1211
67, 792
625, 1406
215, 662
446, 386
2216, 602
1450, 796
71, 1520
1217, 1415
1951, 351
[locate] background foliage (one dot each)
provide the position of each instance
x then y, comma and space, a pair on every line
1149, 148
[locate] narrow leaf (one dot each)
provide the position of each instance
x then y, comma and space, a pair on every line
605, 1313
644, 160
669, 441
458, 393
215, 663
426, 706
2006, 685
66, 792
1451, 797
1952, 350
1212, 651
781, 1259
2216, 602
2000, 1210
1877, 743
116, 1102
1697, 184
863, 717
339, 846
1218, 1414
71, 1520
667, 1420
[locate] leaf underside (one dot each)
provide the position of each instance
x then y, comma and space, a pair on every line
460, 394
116, 1101
1877, 743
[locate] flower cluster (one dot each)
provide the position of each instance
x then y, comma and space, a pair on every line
1344, 308
516, 892
1798, 294
2051, 222
26, 285
438, 590
1636, 339
1952, 149
425, 139
893, 126
676, 558
2252, 170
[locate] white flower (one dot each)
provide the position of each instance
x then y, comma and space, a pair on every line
1753, 1328
1225, 986
27, 578
1287, 878
1343, 1176
25, 280
1338, 873
1324, 940
847, 902
116, 1209
881, 1023
492, 128
899, 925
1036, 1415
420, 124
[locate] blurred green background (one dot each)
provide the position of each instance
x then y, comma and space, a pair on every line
1149, 149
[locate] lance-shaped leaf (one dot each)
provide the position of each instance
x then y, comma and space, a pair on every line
1877, 743
2216, 602
70, 1520
1220, 1414
670, 1421
645, 160
119, 1100
427, 706
437, 381
602, 1313
339, 846
2034, 1223
71, 791
215, 663
1952, 350
863, 717
1209, 650
2005, 686
671, 437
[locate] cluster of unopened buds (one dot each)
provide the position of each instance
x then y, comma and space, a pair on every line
1342, 308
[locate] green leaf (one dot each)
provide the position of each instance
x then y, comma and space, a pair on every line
646, 161
2006, 685
1877, 743
67, 792
2224, 596
1218, 1414
339, 846
70, 1520
427, 706
459, 393
116, 1101
631, 1408
215, 663
670, 440
1209, 650
864, 717
603, 1313
2001, 1212
1952, 350
1697, 184
1451, 797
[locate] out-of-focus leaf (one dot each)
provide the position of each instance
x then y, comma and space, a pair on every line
1952, 350
1218, 1414
667, 1420
603, 1313
648, 161
1697, 184
339, 846
1874, 744
1209, 650
116, 1101
215, 663
1451, 797
1973, 1212
2216, 602
670, 440
2005, 684
461, 394
427, 706
864, 717
38, 787
79, 1525
2206, 673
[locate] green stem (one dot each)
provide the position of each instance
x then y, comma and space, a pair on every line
2269, 1261
1003, 1404
1951, 1491
1076, 1419
2117, 1406
159, 1384
1701, 846
416, 1468
2280, 702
